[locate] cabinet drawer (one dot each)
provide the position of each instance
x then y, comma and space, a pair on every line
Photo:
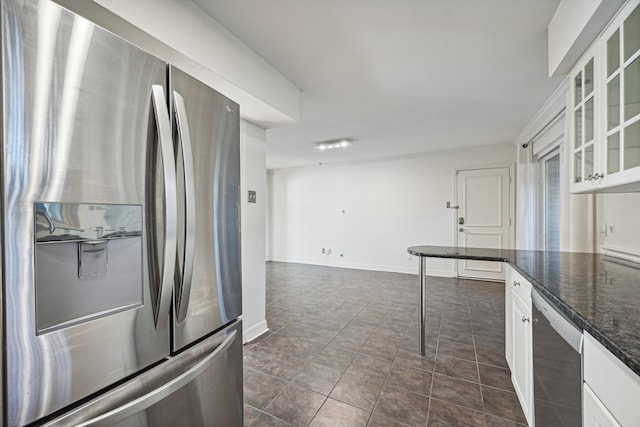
522, 352
518, 285
595, 413
617, 387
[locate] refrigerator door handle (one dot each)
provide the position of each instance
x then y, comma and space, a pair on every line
184, 292
153, 397
161, 114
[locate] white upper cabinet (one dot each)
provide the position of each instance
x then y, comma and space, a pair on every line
605, 116
583, 142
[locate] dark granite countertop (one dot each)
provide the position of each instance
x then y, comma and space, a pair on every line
600, 294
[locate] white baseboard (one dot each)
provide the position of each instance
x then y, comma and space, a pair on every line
372, 267
626, 254
253, 332
440, 273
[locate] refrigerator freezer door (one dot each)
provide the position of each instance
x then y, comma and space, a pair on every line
215, 296
78, 127
199, 387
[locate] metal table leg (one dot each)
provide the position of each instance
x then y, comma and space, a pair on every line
423, 301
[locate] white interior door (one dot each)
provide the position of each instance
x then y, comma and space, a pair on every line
483, 218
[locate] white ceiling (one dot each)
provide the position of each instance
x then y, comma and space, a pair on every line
400, 77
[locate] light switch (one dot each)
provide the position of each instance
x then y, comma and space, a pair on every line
252, 196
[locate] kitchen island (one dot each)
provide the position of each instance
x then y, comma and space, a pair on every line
599, 294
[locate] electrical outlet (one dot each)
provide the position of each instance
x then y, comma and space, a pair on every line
612, 229
323, 251
328, 251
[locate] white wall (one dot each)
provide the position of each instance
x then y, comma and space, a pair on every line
574, 26
370, 212
622, 212
577, 211
253, 177
178, 31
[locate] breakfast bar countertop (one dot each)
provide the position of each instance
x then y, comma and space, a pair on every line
600, 294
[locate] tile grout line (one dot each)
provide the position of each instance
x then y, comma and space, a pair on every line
373, 410
342, 375
387, 378
475, 354
318, 410
397, 302
433, 373
375, 405
334, 386
265, 407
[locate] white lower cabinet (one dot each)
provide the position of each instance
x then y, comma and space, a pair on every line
516, 285
522, 364
611, 389
595, 414
508, 316
518, 338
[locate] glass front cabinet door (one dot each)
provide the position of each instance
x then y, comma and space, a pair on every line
605, 95
583, 94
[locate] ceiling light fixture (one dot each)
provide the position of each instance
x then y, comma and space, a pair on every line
330, 145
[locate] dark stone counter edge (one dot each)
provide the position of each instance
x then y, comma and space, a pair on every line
566, 309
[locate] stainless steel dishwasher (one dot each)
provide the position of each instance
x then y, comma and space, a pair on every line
557, 367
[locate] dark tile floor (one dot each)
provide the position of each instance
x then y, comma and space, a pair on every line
342, 350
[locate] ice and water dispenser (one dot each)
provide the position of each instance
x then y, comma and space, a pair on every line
88, 262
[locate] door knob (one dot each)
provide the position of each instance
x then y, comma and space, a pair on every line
462, 230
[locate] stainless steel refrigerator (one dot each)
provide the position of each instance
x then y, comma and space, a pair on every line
120, 234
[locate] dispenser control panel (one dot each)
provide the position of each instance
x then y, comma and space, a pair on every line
57, 222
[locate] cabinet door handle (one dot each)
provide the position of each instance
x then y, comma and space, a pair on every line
525, 319
590, 177
516, 283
